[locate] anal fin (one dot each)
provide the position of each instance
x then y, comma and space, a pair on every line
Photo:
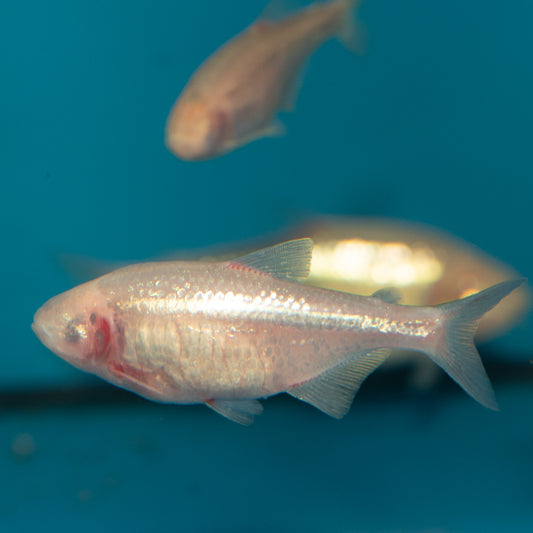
333, 391
240, 411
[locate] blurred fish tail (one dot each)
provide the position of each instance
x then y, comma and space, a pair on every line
456, 353
352, 33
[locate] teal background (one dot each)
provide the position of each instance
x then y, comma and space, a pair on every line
434, 123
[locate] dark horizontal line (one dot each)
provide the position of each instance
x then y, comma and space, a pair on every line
384, 382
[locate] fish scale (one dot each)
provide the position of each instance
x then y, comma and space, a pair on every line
308, 331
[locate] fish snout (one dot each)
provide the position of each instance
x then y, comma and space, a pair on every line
62, 329
42, 328
196, 134
38, 330
187, 149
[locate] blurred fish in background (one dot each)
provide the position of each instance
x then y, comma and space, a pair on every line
428, 266
233, 97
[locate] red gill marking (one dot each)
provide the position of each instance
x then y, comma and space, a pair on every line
116, 368
102, 337
121, 369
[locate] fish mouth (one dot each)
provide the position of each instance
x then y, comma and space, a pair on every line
42, 334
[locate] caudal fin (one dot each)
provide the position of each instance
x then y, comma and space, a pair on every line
457, 354
352, 33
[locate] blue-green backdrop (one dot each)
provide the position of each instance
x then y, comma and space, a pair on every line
434, 123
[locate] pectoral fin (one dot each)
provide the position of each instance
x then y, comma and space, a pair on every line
273, 129
240, 411
333, 391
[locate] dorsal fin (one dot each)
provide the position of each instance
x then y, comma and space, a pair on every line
333, 391
288, 260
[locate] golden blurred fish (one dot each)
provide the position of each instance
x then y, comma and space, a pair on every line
428, 266
235, 94
227, 333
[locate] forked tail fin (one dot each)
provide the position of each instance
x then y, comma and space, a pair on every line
457, 354
352, 33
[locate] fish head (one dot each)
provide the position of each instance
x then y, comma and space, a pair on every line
195, 131
78, 326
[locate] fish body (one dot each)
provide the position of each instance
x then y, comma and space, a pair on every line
227, 333
234, 95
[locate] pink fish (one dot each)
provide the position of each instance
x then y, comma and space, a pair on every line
227, 333
234, 95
